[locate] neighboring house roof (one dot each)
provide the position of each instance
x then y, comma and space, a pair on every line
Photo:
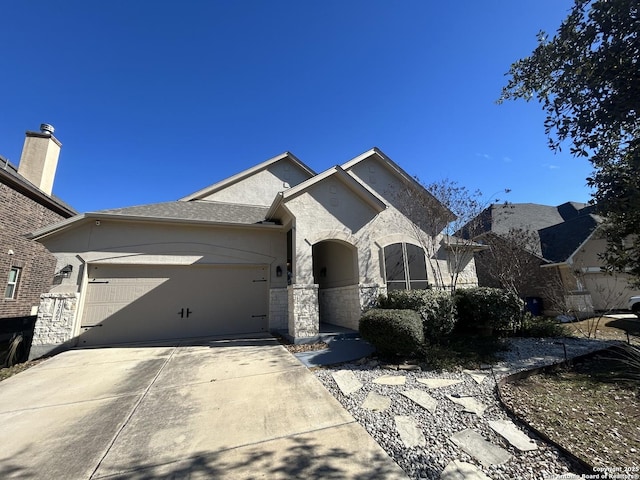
559, 242
9, 175
500, 218
247, 173
559, 230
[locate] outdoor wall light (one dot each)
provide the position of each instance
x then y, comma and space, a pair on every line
278, 271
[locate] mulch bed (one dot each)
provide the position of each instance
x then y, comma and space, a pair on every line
591, 409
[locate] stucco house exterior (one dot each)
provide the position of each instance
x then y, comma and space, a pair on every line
562, 256
26, 204
276, 248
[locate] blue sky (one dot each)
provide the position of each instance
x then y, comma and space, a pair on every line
155, 100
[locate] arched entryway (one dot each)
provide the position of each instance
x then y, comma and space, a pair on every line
335, 271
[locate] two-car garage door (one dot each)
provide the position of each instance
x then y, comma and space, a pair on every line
134, 303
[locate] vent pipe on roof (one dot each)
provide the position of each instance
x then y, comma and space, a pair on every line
47, 128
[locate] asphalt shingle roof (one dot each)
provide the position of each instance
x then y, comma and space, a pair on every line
196, 211
9, 172
559, 242
560, 229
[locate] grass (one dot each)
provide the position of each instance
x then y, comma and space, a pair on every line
606, 328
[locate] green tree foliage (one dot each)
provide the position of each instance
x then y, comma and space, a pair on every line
587, 79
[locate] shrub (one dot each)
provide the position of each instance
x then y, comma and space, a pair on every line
538, 327
436, 307
391, 331
484, 308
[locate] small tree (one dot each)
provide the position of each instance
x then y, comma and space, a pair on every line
436, 215
510, 260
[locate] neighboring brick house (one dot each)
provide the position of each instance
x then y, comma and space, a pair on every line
557, 249
27, 269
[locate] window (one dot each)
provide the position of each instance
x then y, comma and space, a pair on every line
405, 267
12, 283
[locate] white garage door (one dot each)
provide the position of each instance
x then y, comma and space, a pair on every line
133, 303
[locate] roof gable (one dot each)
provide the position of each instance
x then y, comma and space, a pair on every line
336, 173
388, 181
257, 185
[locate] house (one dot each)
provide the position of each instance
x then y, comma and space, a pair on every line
275, 248
551, 252
27, 204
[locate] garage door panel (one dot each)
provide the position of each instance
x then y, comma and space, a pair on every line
143, 303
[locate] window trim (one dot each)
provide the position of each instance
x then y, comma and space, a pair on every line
12, 285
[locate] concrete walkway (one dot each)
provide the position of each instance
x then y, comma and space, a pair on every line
235, 408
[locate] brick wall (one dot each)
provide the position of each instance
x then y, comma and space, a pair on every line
19, 215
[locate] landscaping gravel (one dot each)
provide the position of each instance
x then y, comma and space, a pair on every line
427, 462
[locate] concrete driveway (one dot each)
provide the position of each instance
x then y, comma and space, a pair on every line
240, 408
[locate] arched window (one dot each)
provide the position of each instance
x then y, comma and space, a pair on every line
405, 267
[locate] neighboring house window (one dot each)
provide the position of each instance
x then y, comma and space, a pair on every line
12, 283
405, 267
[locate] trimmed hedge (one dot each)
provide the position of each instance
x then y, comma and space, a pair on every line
484, 308
393, 331
436, 307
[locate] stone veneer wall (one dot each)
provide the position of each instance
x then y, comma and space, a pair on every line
369, 294
304, 320
343, 306
340, 306
278, 309
55, 322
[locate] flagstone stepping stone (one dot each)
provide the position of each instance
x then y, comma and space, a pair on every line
477, 376
376, 402
513, 435
485, 452
470, 404
438, 382
391, 380
409, 432
346, 381
457, 470
422, 398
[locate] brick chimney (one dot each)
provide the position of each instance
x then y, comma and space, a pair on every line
39, 158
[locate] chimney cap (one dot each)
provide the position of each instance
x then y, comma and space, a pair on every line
47, 128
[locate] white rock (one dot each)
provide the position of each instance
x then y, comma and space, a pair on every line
346, 381
410, 434
391, 380
469, 404
485, 452
422, 398
376, 402
438, 382
511, 434
457, 470
478, 377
